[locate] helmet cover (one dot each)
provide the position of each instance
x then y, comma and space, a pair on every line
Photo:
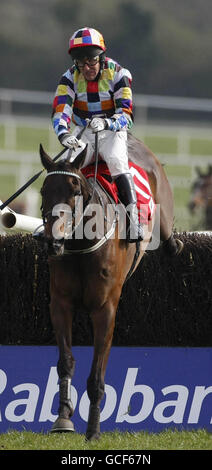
86, 42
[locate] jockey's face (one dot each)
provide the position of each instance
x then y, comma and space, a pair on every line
89, 67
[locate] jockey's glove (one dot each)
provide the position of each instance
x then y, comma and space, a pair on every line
116, 123
98, 124
70, 141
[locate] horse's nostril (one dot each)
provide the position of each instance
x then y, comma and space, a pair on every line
58, 247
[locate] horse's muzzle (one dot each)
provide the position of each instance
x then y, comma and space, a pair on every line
52, 246
56, 248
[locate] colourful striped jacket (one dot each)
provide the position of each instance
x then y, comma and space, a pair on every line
77, 99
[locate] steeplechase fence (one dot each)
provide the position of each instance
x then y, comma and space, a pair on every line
167, 302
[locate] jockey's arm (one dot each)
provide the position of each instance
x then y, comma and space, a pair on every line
63, 106
123, 117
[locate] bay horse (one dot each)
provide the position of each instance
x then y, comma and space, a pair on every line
201, 195
90, 273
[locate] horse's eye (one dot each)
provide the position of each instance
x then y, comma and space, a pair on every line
72, 182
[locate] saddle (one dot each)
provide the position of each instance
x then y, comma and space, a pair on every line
145, 202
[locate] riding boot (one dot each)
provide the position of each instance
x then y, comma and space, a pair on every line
127, 194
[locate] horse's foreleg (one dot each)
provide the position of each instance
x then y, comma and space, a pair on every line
103, 325
62, 323
65, 368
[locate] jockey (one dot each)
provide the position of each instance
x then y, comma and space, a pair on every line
98, 88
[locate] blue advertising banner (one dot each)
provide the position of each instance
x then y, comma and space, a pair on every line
146, 388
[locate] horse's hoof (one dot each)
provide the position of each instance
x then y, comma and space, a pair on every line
62, 425
92, 436
180, 245
172, 247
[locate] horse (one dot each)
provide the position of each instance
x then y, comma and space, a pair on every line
90, 273
201, 195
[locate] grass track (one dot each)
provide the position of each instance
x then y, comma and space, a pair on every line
166, 440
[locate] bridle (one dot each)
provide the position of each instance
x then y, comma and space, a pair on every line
61, 172
104, 239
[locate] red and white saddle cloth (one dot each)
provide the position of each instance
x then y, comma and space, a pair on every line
145, 203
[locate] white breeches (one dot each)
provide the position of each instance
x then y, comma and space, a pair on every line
112, 149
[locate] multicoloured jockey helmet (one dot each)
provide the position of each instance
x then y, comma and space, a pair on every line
86, 42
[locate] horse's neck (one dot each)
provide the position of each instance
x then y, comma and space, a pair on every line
93, 221
98, 200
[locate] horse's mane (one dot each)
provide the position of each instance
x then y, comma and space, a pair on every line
140, 154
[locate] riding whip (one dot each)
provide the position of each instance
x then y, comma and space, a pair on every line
28, 183
35, 177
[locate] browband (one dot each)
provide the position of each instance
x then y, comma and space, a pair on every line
61, 172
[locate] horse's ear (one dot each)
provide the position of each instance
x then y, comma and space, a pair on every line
45, 159
79, 160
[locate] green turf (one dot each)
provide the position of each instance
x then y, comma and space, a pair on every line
161, 144
201, 147
30, 139
1, 136
166, 440
178, 170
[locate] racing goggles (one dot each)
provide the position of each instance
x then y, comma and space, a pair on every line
90, 62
